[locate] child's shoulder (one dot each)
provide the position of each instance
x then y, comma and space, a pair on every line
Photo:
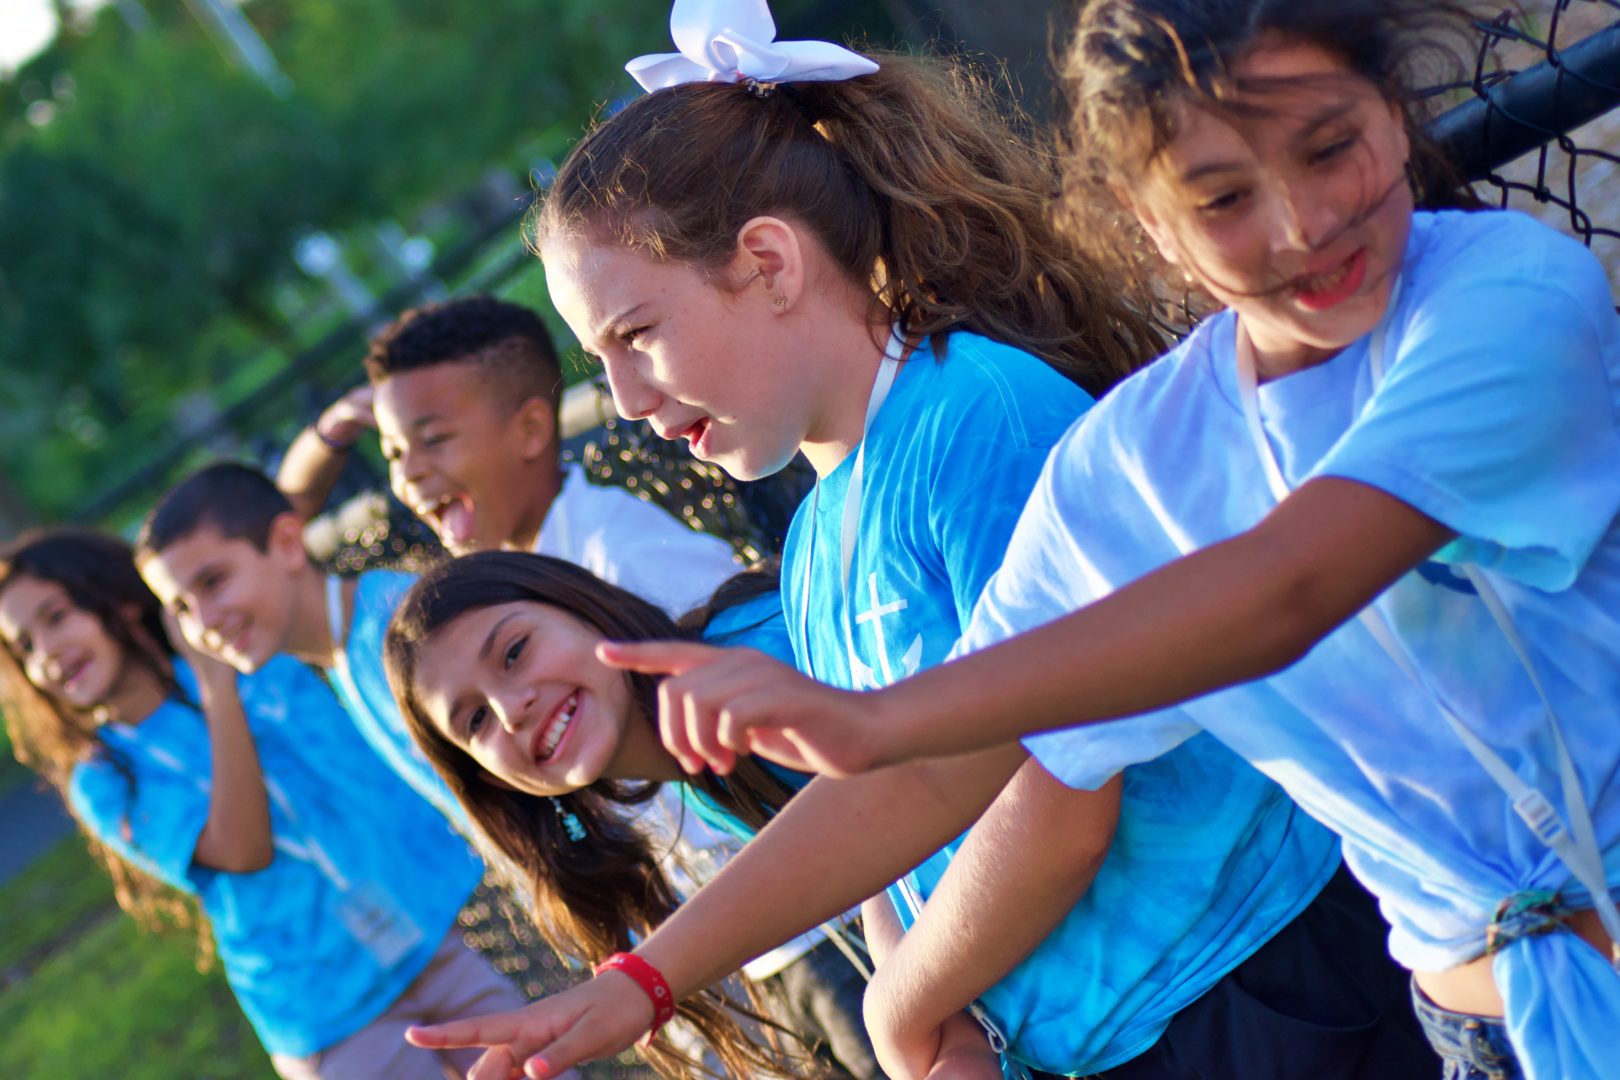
1000, 388
383, 589
969, 361
1505, 247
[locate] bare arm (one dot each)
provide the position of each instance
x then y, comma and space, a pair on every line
237, 835
1227, 614
1025, 865
313, 461
801, 870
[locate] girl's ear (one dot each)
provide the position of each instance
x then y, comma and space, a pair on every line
1152, 223
769, 252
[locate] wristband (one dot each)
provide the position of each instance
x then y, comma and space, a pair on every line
652, 983
331, 443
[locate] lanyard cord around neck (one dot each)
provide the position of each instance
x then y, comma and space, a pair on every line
888, 368
1575, 845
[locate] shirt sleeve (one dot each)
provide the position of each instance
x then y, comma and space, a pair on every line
1497, 416
150, 820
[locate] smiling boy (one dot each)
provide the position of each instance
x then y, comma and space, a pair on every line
464, 396
224, 551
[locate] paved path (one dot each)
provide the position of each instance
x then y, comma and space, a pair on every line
32, 820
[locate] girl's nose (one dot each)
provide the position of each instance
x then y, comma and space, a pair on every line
633, 399
513, 708
1303, 217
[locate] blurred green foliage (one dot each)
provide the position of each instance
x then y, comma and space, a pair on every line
152, 189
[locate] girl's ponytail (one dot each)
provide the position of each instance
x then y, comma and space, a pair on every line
916, 179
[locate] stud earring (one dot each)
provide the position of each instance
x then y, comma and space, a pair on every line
779, 302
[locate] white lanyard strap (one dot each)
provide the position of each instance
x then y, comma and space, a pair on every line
1576, 845
888, 368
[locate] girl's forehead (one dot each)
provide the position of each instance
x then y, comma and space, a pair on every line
1282, 93
22, 599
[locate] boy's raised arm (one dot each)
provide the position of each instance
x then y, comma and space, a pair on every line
237, 836
316, 457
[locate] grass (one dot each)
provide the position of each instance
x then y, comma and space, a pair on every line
58, 892
100, 997
120, 1002
13, 773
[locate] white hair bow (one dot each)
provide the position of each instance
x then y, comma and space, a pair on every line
733, 40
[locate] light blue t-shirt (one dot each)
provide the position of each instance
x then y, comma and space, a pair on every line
362, 685
1498, 418
1209, 859
366, 878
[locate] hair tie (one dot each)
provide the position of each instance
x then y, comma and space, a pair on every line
735, 41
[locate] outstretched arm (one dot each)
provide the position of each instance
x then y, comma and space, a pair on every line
317, 455
835, 844
1231, 613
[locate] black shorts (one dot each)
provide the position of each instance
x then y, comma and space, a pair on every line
1321, 1000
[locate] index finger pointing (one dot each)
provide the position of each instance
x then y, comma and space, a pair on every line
657, 657
492, 1030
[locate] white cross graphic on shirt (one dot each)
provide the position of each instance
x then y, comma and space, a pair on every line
874, 615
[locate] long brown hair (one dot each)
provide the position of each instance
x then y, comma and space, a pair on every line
590, 897
923, 185
53, 738
1129, 62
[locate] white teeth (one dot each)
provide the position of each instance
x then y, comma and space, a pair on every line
559, 727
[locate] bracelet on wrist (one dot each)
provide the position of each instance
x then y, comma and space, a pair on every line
652, 983
330, 443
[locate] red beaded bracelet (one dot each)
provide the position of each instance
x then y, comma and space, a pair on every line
652, 983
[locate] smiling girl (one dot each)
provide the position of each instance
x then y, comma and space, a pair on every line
1361, 524
255, 797
555, 758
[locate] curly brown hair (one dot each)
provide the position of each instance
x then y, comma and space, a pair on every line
1129, 63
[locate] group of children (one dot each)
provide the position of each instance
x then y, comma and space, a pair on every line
1107, 658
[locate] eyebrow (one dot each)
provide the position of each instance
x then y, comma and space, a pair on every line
607, 325
1323, 119
1310, 127
494, 632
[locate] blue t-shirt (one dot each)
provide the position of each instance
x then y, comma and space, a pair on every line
366, 878
754, 624
1499, 416
362, 685
1214, 858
